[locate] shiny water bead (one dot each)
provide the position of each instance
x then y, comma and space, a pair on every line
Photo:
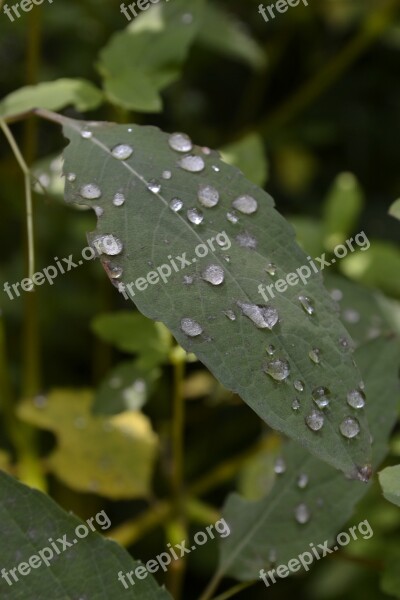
191, 328
154, 186
122, 151
214, 274
298, 385
279, 466
86, 133
349, 427
208, 196
90, 191
271, 269
306, 303
263, 317
215, 168
108, 244
315, 420
188, 279
180, 142
271, 350
119, 199
321, 396
206, 150
166, 175
195, 216
278, 369
315, 355
302, 514
192, 163
98, 210
296, 404
356, 399
71, 177
231, 315
113, 271
232, 217
302, 481
245, 240
245, 204
176, 204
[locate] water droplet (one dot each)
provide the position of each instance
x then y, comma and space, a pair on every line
215, 168
361, 385
279, 466
112, 270
86, 133
176, 204
98, 210
191, 327
154, 187
271, 350
349, 427
232, 217
192, 163
130, 129
315, 420
122, 151
298, 385
336, 295
364, 473
271, 269
351, 316
263, 317
214, 274
80, 423
119, 199
71, 177
321, 396
230, 314
302, 481
195, 216
245, 240
108, 244
206, 150
208, 196
296, 404
166, 175
278, 369
188, 279
302, 514
90, 191
180, 142
40, 401
306, 303
245, 204
344, 343
315, 355
356, 399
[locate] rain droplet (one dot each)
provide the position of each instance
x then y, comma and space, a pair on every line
279, 466
302, 481
245, 240
298, 385
86, 133
180, 142
296, 404
271, 269
231, 315
90, 191
263, 317
364, 473
245, 204
154, 187
321, 396
336, 295
214, 274
166, 175
206, 150
306, 303
176, 204
344, 343
351, 316
113, 271
315, 420
277, 369
315, 355
232, 217
356, 399
195, 216
71, 177
215, 168
192, 163
191, 327
108, 244
271, 350
349, 427
98, 210
188, 279
119, 199
208, 196
122, 151
302, 514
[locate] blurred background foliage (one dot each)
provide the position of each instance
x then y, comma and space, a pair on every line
307, 106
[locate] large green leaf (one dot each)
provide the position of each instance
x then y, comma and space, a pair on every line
87, 569
52, 95
268, 528
389, 479
222, 324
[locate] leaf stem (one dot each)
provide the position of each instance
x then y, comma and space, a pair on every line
235, 590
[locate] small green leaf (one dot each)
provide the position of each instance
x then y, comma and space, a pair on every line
52, 95
394, 210
87, 569
389, 479
248, 155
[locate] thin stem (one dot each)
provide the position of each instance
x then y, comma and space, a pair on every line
235, 590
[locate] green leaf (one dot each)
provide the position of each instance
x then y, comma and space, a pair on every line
224, 33
389, 479
269, 527
394, 210
52, 95
87, 569
115, 455
149, 54
146, 234
248, 155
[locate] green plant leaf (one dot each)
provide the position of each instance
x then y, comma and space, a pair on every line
52, 95
115, 455
269, 527
87, 569
248, 155
145, 234
389, 479
394, 210
148, 55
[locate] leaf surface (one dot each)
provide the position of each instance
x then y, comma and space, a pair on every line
389, 479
